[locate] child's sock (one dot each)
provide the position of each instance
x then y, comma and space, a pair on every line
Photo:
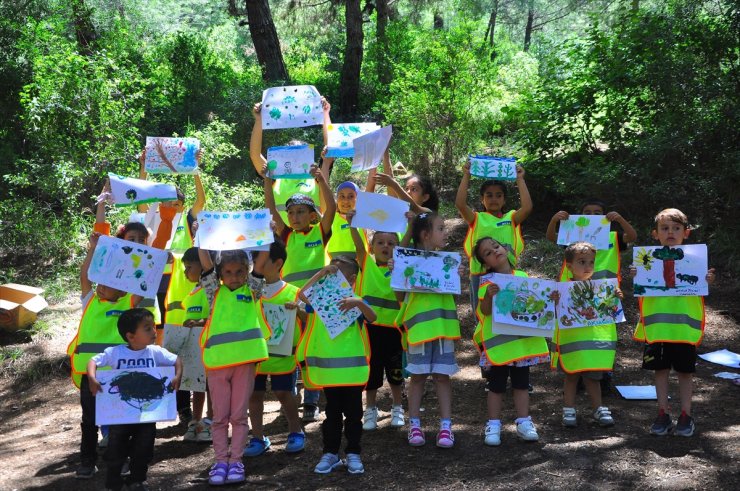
445, 424
522, 420
415, 422
494, 422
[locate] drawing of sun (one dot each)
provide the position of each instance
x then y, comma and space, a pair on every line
645, 259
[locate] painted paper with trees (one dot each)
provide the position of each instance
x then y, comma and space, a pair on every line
488, 167
127, 266
589, 303
290, 162
664, 271
340, 138
185, 343
417, 270
177, 155
231, 230
525, 302
585, 228
282, 325
135, 395
128, 191
380, 213
294, 106
324, 297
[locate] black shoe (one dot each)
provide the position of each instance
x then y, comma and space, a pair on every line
185, 416
125, 470
310, 413
86, 471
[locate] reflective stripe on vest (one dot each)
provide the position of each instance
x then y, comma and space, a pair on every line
606, 263
501, 229
306, 255
300, 276
429, 316
280, 364
348, 362
233, 337
582, 349
671, 320
374, 286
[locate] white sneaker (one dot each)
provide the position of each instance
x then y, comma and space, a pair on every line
354, 464
328, 462
493, 435
526, 431
191, 434
397, 418
370, 419
569, 417
603, 416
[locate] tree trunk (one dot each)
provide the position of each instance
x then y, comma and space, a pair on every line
439, 21
265, 40
84, 28
349, 90
669, 273
528, 29
491, 29
384, 71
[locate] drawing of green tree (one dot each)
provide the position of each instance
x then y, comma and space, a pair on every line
582, 223
568, 226
408, 273
669, 257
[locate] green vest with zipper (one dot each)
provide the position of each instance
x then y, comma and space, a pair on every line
503, 230
280, 364
305, 256
606, 264
670, 320
374, 286
428, 316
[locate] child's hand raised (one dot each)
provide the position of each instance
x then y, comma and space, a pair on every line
710, 276
94, 239
519, 172
198, 156
390, 264
316, 173
291, 305
613, 216
561, 215
349, 216
383, 179
466, 167
325, 105
619, 293
257, 110
410, 215
555, 296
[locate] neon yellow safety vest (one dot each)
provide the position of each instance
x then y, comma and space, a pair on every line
340, 362
374, 286
280, 364
233, 335
670, 320
428, 316
340, 242
585, 349
503, 349
606, 265
195, 305
181, 242
503, 230
283, 189
179, 288
305, 256
97, 331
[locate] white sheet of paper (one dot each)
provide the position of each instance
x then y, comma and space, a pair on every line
136, 395
498, 168
671, 271
637, 392
127, 266
379, 212
523, 301
152, 221
369, 148
589, 303
185, 343
180, 152
340, 138
231, 230
425, 271
727, 375
521, 331
290, 162
324, 297
282, 325
722, 357
292, 106
129, 191
585, 228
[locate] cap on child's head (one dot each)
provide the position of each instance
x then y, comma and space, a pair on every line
348, 185
301, 199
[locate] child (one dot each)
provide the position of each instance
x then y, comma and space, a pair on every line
493, 222
419, 191
431, 325
584, 351
233, 342
280, 368
136, 327
671, 328
504, 356
607, 260
386, 351
341, 366
341, 241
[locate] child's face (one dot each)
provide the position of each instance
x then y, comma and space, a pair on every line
271, 269
493, 198
300, 217
435, 239
670, 233
413, 188
136, 236
177, 205
192, 271
582, 267
346, 200
108, 294
145, 335
592, 210
383, 245
494, 256
234, 274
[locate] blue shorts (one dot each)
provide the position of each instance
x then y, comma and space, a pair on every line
436, 356
285, 382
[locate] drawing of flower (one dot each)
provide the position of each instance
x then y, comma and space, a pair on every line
275, 113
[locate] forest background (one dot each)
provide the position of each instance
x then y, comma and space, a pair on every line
632, 101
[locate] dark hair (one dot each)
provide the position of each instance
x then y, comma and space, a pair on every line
236, 256
130, 320
378, 232
578, 248
593, 201
421, 223
132, 226
180, 195
191, 256
294, 143
490, 182
278, 251
479, 244
346, 264
432, 201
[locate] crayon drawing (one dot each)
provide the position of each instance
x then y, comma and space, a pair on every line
425, 271
369, 148
127, 266
185, 343
340, 138
324, 297
589, 303
231, 230
380, 212
290, 162
282, 324
499, 168
665, 271
128, 191
171, 155
587, 228
135, 395
526, 302
293, 106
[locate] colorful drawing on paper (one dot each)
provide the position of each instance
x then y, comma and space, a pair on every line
425, 271
127, 266
380, 212
324, 297
526, 302
589, 303
135, 395
185, 343
340, 137
488, 167
293, 106
128, 191
585, 228
369, 148
282, 324
290, 162
665, 271
231, 230
171, 155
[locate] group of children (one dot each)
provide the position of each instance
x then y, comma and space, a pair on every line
224, 295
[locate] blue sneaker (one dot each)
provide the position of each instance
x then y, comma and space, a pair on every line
296, 442
257, 446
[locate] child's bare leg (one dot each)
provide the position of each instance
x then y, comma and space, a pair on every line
396, 395
593, 387
661, 389
495, 403
416, 391
569, 389
370, 397
290, 408
444, 394
685, 390
521, 402
199, 400
256, 411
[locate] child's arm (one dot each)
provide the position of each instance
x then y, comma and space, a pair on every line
178, 374
255, 142
552, 227
328, 197
629, 235
395, 189
349, 303
526, 200
200, 192
327, 163
406, 239
143, 207
387, 169
300, 313
92, 371
359, 245
486, 305
330, 269
85, 283
270, 204
327, 121
105, 196
461, 199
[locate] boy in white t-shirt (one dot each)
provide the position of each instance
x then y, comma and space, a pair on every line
136, 327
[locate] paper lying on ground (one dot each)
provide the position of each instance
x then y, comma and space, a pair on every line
728, 375
638, 392
722, 357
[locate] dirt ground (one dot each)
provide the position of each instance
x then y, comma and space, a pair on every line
39, 424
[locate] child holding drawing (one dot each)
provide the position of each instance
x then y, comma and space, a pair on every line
136, 327
504, 356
